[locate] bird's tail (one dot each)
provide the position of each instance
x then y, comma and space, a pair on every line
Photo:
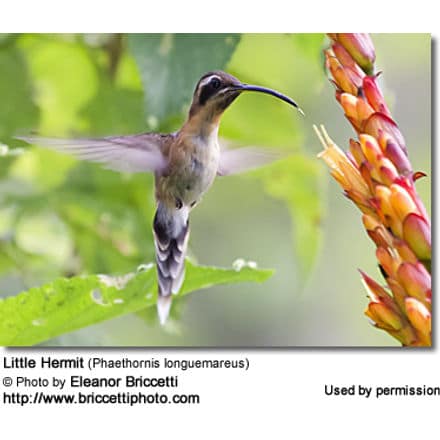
171, 233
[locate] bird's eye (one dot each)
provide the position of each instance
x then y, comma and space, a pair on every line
215, 83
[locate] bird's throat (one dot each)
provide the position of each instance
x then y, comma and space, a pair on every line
203, 125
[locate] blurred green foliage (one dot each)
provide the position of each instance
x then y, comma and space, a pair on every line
60, 217
169, 64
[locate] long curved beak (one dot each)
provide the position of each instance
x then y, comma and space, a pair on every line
252, 88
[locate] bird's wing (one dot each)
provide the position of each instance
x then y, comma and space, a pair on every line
131, 154
245, 159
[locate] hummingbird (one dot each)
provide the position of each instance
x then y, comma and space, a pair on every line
185, 163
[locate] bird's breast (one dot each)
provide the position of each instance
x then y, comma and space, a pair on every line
199, 171
193, 170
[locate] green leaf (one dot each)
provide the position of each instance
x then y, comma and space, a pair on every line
65, 305
171, 64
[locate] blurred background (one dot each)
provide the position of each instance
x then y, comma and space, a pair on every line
60, 217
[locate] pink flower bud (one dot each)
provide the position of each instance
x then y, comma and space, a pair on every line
374, 95
417, 233
361, 48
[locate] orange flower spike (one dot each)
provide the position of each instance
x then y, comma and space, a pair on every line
377, 176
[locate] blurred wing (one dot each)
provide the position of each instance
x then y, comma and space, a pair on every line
131, 154
245, 159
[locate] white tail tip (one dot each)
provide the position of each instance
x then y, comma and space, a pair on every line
163, 308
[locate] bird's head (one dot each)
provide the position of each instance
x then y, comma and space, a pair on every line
216, 90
